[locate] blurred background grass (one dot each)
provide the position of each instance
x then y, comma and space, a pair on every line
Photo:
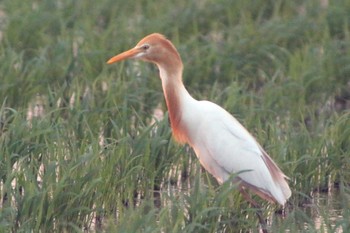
78, 152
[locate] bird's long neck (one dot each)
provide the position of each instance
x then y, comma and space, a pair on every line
176, 97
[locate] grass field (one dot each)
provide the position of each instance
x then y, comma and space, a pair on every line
79, 152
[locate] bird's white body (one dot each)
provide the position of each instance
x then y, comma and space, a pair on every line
223, 146
233, 151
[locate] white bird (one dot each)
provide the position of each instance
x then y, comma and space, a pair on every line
222, 145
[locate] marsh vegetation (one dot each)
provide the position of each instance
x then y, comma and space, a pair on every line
80, 146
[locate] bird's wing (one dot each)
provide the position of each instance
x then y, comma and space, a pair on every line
224, 147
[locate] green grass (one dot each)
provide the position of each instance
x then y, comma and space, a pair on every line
91, 161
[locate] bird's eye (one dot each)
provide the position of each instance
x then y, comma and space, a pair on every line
145, 47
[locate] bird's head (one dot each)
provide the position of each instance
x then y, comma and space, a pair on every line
153, 48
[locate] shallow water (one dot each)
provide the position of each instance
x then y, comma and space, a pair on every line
327, 211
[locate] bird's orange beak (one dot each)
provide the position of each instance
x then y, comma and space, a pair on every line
125, 55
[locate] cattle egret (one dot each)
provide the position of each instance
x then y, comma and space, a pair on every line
222, 145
